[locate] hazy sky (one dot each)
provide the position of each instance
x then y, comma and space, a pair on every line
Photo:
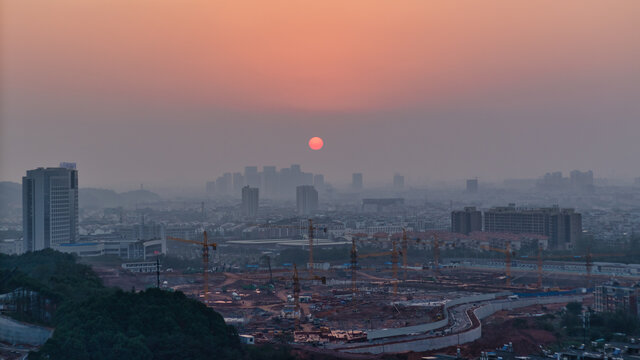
170, 91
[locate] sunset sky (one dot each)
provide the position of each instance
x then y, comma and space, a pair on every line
169, 91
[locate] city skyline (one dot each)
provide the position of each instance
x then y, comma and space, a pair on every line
434, 91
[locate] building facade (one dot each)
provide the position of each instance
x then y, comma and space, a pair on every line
356, 181
562, 226
50, 207
306, 199
612, 297
250, 199
466, 221
472, 186
398, 182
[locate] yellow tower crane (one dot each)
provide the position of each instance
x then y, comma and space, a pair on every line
507, 263
296, 290
354, 264
310, 234
205, 260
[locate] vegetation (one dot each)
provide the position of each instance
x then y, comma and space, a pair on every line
601, 325
150, 324
95, 322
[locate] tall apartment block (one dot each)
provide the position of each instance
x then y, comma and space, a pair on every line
472, 186
466, 221
356, 181
398, 182
306, 199
50, 207
250, 200
562, 226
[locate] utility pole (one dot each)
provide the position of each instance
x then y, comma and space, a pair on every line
158, 271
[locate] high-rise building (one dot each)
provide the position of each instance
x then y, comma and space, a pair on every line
306, 199
398, 182
270, 181
50, 207
581, 180
356, 181
250, 199
223, 184
238, 183
562, 226
466, 221
472, 186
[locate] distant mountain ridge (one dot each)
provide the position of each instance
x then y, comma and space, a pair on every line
11, 197
10, 193
101, 198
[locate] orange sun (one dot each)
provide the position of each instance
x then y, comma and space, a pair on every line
316, 143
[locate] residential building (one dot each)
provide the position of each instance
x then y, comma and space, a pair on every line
472, 186
466, 221
250, 199
562, 226
612, 297
238, 183
270, 181
356, 181
398, 182
306, 199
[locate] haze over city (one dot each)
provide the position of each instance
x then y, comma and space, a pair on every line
174, 94
319, 179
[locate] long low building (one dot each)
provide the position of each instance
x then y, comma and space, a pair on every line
125, 249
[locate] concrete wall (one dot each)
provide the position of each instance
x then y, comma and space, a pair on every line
15, 332
470, 335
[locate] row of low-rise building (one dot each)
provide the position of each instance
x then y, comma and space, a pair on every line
613, 297
563, 227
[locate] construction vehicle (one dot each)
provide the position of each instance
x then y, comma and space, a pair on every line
205, 260
507, 263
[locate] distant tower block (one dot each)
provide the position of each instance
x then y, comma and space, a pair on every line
306, 199
250, 201
356, 181
398, 182
472, 186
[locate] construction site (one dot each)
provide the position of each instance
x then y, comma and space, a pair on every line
386, 305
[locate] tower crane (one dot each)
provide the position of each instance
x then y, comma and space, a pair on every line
205, 259
310, 234
296, 290
354, 264
507, 263
268, 260
435, 242
588, 263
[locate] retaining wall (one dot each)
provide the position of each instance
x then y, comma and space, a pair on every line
422, 328
434, 343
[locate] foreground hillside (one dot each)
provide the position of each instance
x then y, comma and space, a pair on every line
95, 322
